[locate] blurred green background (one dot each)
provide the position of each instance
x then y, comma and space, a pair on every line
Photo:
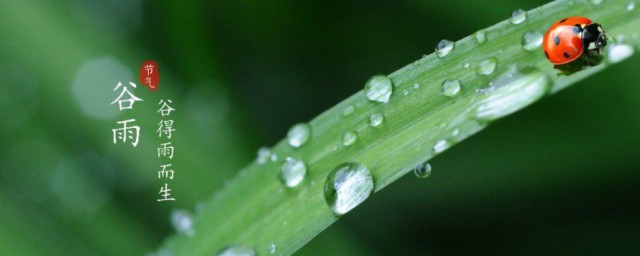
560, 177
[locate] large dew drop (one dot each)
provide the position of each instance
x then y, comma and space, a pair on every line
531, 40
444, 47
510, 92
450, 87
379, 88
347, 186
299, 134
422, 171
619, 52
292, 172
630, 6
487, 66
236, 250
518, 16
182, 222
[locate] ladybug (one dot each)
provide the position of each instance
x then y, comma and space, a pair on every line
572, 37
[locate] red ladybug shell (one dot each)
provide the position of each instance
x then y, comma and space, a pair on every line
563, 41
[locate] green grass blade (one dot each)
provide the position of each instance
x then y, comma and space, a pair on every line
255, 210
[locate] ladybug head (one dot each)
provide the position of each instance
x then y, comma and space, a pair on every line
594, 38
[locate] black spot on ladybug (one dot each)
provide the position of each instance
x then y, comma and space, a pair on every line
563, 20
566, 55
546, 54
556, 40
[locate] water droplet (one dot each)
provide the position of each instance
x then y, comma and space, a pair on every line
405, 92
518, 16
466, 65
480, 37
487, 66
416, 86
263, 155
272, 248
236, 250
630, 6
347, 186
349, 138
619, 52
299, 134
292, 172
512, 91
274, 157
422, 171
596, 2
455, 132
450, 87
376, 119
440, 146
348, 110
182, 222
379, 88
444, 47
531, 40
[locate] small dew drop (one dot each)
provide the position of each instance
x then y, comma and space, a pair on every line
422, 171
630, 6
597, 2
455, 132
416, 86
272, 248
376, 119
349, 138
379, 88
263, 155
236, 250
480, 37
450, 87
292, 172
405, 92
619, 52
444, 47
441, 146
347, 186
487, 66
518, 16
182, 222
466, 65
348, 110
299, 134
274, 157
531, 40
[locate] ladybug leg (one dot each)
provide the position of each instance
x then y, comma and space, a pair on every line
586, 53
